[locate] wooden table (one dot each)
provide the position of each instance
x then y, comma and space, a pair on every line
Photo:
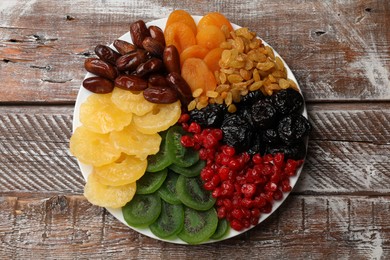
340, 54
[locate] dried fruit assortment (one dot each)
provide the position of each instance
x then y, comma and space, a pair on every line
191, 130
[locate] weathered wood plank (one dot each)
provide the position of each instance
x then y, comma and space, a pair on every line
304, 227
348, 150
338, 50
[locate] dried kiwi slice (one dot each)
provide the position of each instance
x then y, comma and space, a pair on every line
170, 222
151, 181
181, 156
167, 191
190, 191
198, 225
192, 171
142, 210
222, 229
161, 159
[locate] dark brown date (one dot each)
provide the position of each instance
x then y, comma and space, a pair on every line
131, 82
157, 80
157, 34
138, 32
160, 95
148, 67
153, 46
180, 85
106, 53
124, 47
130, 61
100, 68
98, 85
171, 59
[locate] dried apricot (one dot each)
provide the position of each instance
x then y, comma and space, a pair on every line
210, 36
108, 196
216, 19
194, 51
212, 59
180, 35
198, 75
183, 17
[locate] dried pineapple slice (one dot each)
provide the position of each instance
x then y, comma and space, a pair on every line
133, 142
100, 115
108, 196
131, 102
159, 119
92, 148
126, 170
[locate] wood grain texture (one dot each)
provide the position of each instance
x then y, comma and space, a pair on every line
306, 227
338, 50
348, 150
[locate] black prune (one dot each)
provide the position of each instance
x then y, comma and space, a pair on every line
293, 128
288, 101
210, 116
295, 151
250, 98
264, 114
270, 136
257, 145
237, 132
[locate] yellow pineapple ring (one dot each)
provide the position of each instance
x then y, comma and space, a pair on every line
133, 142
92, 148
159, 119
100, 115
121, 172
131, 102
108, 196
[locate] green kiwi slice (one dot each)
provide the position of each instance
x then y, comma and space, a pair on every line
192, 171
180, 155
151, 181
167, 191
170, 222
161, 159
190, 191
142, 210
222, 229
198, 225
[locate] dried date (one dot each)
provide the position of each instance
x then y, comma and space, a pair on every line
100, 68
98, 85
131, 82
160, 95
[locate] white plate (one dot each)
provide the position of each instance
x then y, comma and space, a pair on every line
117, 213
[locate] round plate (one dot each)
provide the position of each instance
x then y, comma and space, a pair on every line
117, 213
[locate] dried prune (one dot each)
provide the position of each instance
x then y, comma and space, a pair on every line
295, 151
250, 98
257, 145
270, 136
293, 128
237, 132
210, 116
264, 114
288, 101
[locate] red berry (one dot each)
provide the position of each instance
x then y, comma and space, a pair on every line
185, 126
257, 159
236, 225
216, 180
268, 158
184, 118
255, 212
209, 186
217, 133
246, 203
234, 164
248, 190
270, 186
279, 160
223, 173
228, 150
221, 212
210, 141
206, 174
216, 192
237, 213
194, 128
278, 195
186, 141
